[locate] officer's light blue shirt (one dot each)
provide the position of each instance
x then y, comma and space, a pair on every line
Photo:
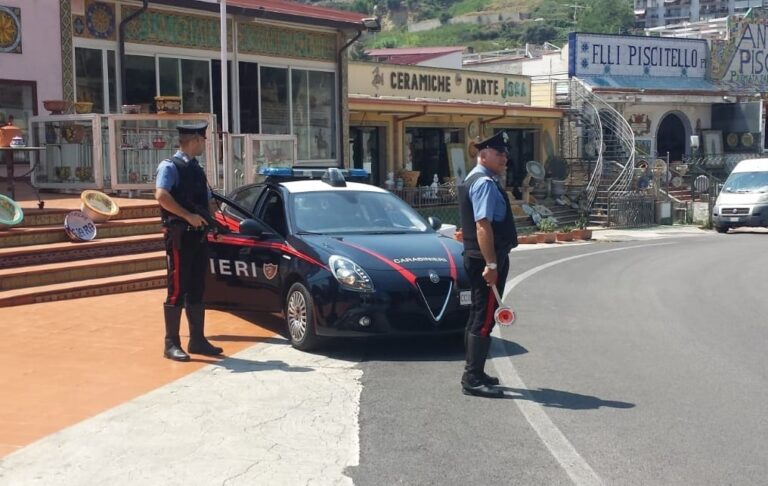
487, 201
167, 175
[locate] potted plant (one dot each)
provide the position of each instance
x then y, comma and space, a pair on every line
564, 234
581, 232
546, 233
525, 237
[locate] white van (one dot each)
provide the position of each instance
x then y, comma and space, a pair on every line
743, 200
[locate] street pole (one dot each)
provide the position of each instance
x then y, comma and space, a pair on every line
224, 90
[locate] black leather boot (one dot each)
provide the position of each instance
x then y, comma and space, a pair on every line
172, 342
197, 342
486, 379
472, 381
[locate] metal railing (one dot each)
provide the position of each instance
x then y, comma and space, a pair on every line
631, 211
441, 202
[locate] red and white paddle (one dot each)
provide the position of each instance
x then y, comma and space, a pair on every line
504, 316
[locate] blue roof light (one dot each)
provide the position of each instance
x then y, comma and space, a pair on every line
358, 173
276, 171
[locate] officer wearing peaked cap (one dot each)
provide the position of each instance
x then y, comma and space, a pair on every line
489, 234
181, 189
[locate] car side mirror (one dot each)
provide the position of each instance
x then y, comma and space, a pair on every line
435, 222
254, 227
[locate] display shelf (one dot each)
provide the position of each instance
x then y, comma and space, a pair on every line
134, 154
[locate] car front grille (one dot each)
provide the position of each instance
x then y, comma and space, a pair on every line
435, 295
734, 211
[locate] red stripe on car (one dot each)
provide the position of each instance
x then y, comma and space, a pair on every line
402, 270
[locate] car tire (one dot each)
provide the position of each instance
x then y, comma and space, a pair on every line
721, 229
300, 318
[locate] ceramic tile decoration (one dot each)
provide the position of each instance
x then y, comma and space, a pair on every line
10, 30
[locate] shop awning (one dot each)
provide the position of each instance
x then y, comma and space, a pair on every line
651, 83
411, 108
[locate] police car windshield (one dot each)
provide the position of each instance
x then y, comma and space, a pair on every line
354, 212
746, 182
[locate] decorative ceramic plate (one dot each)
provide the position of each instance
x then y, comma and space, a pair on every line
528, 209
535, 169
747, 139
732, 140
10, 212
543, 210
677, 181
79, 227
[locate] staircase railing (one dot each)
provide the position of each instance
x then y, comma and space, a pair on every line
581, 99
609, 120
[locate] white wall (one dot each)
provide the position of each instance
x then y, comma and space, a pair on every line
40, 59
449, 61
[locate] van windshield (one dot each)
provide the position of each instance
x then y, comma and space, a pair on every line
747, 182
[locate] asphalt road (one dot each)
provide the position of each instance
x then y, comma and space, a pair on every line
630, 363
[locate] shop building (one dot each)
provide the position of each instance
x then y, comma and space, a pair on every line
418, 122
286, 77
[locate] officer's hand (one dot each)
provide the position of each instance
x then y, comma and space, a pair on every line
197, 221
490, 276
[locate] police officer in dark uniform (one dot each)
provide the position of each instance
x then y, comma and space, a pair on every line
185, 206
489, 234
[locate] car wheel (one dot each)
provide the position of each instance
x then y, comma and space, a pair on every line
300, 317
721, 229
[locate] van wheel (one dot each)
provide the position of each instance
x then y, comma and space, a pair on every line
721, 229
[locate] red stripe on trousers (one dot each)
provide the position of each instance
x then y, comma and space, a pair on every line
175, 274
486, 329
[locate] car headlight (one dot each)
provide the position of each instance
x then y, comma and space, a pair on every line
350, 275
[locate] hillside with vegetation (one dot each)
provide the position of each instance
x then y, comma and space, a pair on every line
452, 24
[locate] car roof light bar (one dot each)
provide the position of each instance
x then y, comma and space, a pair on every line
285, 174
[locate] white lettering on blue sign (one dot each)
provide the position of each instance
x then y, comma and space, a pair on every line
614, 55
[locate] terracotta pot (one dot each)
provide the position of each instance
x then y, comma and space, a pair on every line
582, 234
73, 133
56, 107
546, 237
7, 132
564, 236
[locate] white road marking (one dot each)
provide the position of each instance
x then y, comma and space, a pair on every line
577, 468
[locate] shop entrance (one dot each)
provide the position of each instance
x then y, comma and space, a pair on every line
429, 152
521, 150
367, 144
670, 137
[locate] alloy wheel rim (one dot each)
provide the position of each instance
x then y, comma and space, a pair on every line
297, 316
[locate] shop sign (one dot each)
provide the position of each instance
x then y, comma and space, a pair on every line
625, 55
742, 62
376, 79
164, 28
282, 42
640, 123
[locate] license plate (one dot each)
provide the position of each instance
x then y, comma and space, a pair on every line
465, 297
733, 220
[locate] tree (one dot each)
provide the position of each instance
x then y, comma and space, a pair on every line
606, 16
539, 33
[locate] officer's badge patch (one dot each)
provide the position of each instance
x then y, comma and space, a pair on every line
270, 270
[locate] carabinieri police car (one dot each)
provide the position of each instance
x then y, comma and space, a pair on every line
336, 258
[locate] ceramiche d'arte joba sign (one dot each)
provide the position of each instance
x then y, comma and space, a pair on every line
741, 63
625, 55
374, 79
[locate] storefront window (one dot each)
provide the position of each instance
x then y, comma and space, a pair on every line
89, 77
91, 84
195, 86
140, 80
169, 76
17, 100
322, 103
275, 115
